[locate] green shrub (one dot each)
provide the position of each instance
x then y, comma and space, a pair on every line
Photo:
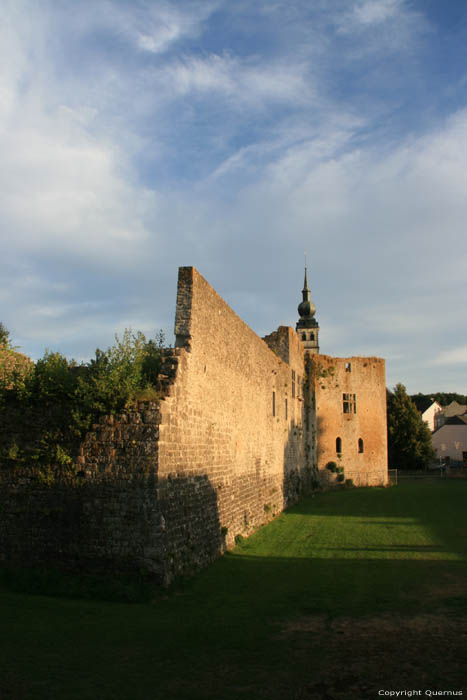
340, 478
47, 410
332, 467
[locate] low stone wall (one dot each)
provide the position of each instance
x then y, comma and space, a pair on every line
116, 514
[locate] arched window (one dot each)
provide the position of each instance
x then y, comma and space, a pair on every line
360, 445
338, 445
303, 336
312, 336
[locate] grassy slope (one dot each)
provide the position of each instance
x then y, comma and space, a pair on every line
332, 584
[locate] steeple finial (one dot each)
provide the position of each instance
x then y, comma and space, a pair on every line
307, 326
306, 290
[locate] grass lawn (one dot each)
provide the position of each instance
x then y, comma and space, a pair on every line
346, 594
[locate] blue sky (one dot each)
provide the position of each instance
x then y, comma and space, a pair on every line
233, 136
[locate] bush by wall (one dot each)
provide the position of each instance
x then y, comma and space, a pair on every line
47, 407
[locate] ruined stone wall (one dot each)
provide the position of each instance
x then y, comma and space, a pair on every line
238, 433
234, 415
103, 518
364, 379
166, 485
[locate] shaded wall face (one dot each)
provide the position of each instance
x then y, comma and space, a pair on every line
235, 413
451, 441
104, 518
350, 399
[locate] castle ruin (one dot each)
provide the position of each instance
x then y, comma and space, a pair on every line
243, 428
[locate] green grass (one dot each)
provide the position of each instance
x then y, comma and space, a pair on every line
361, 585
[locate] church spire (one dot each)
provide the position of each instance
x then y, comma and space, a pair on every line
307, 326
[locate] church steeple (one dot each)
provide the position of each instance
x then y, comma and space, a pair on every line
307, 326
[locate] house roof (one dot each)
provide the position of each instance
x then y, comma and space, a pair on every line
454, 409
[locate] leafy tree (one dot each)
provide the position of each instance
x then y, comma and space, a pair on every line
15, 368
409, 438
4, 335
422, 401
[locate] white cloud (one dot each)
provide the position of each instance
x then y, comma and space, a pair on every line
372, 12
456, 356
152, 26
62, 187
162, 24
387, 24
245, 81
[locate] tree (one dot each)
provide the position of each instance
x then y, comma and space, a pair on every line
409, 439
4, 335
15, 368
422, 401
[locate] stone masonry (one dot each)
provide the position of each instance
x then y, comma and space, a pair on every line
243, 428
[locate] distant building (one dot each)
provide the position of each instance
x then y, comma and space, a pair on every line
450, 441
429, 414
454, 409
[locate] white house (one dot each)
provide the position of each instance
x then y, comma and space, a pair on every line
429, 415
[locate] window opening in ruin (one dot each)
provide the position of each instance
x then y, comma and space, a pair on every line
286, 409
273, 403
360, 445
338, 445
312, 336
348, 367
293, 383
349, 403
303, 336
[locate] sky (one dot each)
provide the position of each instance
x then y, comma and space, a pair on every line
235, 135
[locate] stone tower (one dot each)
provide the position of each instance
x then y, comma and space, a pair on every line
307, 326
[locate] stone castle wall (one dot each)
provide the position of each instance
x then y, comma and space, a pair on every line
166, 485
235, 414
240, 431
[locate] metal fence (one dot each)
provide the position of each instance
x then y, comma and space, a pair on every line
438, 472
377, 478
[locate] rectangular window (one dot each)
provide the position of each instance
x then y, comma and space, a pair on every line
348, 367
293, 383
349, 402
273, 403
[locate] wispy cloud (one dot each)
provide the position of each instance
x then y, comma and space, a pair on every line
394, 25
248, 81
456, 356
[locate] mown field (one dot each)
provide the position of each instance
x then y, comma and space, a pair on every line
348, 594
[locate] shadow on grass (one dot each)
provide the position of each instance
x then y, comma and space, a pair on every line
259, 624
